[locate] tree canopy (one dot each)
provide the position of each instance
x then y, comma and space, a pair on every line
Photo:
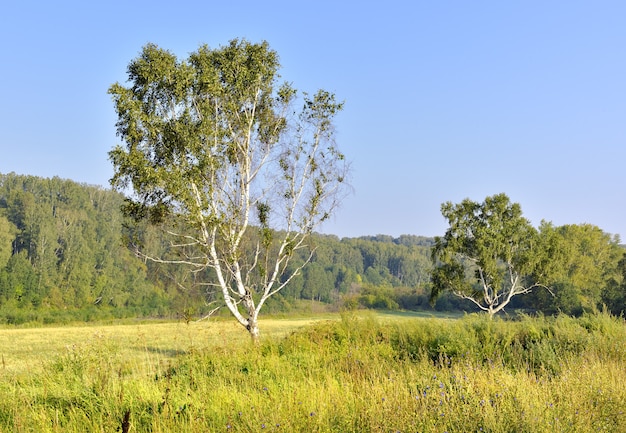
488, 253
582, 262
62, 259
217, 142
60, 250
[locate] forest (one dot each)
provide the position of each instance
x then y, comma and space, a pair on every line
67, 253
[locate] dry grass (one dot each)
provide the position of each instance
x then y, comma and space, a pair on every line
145, 342
358, 374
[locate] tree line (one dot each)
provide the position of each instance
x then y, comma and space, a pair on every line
491, 254
66, 253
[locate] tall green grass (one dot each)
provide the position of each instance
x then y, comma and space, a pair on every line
359, 374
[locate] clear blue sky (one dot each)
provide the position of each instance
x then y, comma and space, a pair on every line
444, 99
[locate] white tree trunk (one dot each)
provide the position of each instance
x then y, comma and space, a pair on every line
253, 329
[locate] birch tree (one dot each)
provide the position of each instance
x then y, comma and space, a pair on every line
247, 167
489, 254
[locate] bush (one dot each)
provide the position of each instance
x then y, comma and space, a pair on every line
378, 298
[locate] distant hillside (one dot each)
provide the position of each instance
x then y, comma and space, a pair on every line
62, 257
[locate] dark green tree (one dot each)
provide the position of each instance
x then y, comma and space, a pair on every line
582, 262
318, 283
488, 253
614, 296
65, 250
7, 234
21, 282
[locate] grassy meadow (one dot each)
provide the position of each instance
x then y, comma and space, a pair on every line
354, 372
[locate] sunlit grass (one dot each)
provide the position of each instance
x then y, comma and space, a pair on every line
144, 342
361, 373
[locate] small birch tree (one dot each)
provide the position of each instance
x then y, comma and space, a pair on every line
489, 254
216, 144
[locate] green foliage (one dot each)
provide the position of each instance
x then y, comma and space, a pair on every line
211, 141
486, 254
67, 263
582, 262
378, 298
350, 263
7, 234
491, 253
92, 275
614, 296
66, 254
